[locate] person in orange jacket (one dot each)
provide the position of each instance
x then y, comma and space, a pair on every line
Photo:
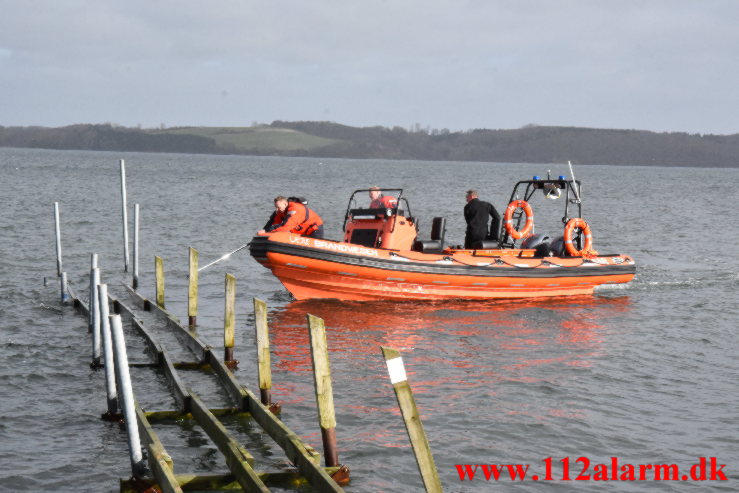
293, 216
380, 201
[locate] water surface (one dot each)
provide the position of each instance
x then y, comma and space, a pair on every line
647, 373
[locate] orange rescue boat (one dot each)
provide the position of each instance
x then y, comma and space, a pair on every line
380, 257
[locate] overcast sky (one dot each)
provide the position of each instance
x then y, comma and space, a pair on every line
662, 65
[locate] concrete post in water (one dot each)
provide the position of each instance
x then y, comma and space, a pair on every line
125, 215
95, 317
229, 322
159, 274
108, 358
135, 246
192, 288
263, 357
123, 380
413, 425
324, 391
58, 240
65, 291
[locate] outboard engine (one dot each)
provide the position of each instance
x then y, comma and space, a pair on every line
557, 247
533, 241
538, 242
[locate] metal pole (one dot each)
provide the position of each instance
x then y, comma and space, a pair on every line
91, 292
125, 216
123, 379
108, 357
65, 291
135, 246
324, 391
574, 182
95, 316
58, 240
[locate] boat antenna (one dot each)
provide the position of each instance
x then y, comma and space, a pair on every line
574, 183
224, 257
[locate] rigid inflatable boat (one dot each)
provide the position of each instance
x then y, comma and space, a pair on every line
381, 258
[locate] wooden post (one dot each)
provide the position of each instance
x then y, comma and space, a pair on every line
413, 425
58, 240
263, 357
192, 289
125, 215
108, 357
324, 392
123, 380
159, 274
135, 246
95, 317
65, 291
229, 322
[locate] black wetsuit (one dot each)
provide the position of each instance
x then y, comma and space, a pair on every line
476, 214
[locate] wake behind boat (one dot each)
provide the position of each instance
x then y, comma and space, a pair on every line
381, 258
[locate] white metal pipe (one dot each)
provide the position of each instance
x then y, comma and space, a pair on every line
58, 240
135, 246
574, 182
123, 380
64, 290
125, 216
95, 315
108, 358
93, 260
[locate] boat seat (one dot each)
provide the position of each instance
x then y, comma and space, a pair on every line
428, 246
436, 243
485, 245
438, 229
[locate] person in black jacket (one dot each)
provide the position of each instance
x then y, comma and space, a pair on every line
476, 214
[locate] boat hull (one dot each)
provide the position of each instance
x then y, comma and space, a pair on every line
310, 268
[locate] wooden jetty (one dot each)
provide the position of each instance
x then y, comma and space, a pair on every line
241, 464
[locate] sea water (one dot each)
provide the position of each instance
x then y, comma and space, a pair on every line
645, 373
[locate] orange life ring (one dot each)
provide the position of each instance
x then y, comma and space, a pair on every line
508, 219
570, 227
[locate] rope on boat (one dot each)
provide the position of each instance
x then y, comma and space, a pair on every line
498, 261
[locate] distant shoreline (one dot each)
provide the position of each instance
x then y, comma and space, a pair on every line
531, 144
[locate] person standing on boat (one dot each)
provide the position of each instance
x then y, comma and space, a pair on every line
476, 213
295, 217
380, 201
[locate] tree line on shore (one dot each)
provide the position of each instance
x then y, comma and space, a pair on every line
535, 144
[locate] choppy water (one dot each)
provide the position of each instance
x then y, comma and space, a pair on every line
647, 373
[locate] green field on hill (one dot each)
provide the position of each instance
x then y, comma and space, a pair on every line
245, 139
